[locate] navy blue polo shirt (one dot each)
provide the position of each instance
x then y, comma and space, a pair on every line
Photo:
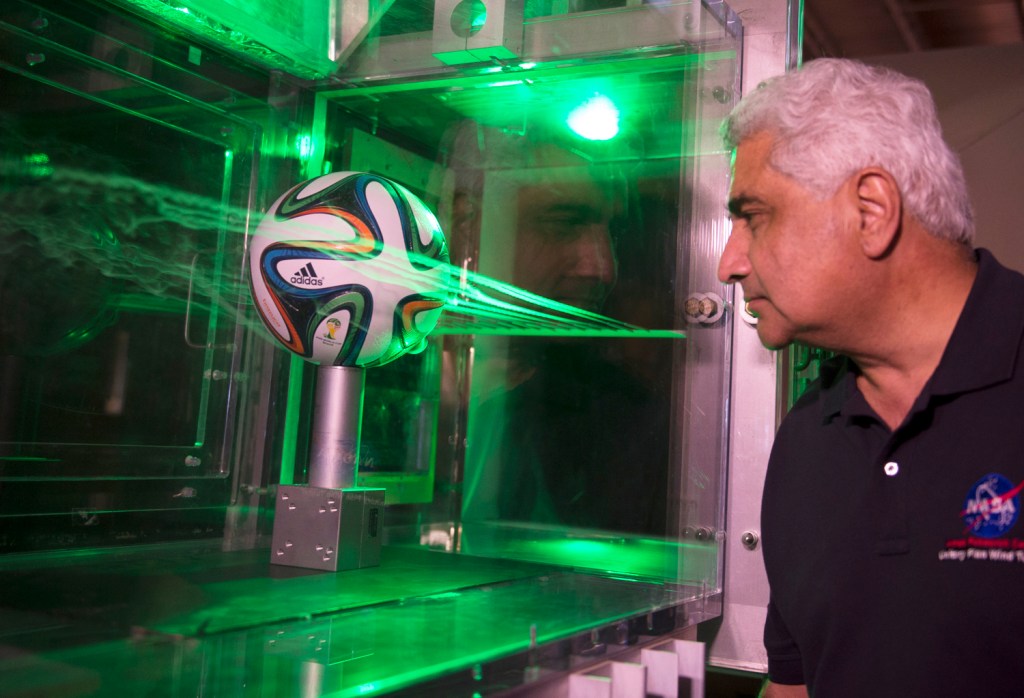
896, 559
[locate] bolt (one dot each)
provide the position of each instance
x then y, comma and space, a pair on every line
749, 540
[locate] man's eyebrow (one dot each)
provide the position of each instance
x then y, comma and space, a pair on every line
583, 210
736, 204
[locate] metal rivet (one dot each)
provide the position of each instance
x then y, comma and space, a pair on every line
891, 468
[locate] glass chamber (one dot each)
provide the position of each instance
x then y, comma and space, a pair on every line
553, 461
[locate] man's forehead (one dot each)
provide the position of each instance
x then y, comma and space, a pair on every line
577, 192
753, 153
751, 167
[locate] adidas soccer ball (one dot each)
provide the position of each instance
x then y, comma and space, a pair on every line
349, 269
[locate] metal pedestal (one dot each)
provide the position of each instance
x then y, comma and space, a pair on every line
329, 524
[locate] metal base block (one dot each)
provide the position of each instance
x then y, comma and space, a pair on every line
327, 529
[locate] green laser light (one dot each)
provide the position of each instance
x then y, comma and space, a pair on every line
597, 119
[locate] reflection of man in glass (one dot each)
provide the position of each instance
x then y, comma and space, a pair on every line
563, 248
560, 434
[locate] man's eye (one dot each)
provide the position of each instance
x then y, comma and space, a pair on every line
565, 219
562, 226
752, 219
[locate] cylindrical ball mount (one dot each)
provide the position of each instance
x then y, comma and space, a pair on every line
337, 417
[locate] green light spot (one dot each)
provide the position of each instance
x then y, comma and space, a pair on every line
304, 146
597, 119
38, 165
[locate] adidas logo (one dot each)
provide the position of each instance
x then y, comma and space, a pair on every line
306, 276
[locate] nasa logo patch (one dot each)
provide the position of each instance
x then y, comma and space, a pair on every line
991, 507
990, 510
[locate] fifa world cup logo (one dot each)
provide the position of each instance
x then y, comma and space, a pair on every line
332, 326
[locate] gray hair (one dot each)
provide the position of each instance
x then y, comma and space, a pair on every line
836, 116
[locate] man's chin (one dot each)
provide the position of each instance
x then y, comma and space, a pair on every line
771, 338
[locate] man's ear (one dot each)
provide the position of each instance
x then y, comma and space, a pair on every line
881, 211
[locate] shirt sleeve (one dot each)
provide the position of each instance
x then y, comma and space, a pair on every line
784, 662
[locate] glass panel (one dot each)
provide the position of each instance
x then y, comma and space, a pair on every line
201, 633
119, 313
563, 432
579, 399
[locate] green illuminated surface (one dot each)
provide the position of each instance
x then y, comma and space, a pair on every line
291, 420
600, 551
420, 615
293, 36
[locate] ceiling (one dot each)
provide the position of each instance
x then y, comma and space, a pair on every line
866, 28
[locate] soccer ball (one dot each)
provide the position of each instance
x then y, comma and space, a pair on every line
349, 269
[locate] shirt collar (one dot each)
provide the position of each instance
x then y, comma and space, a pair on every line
982, 350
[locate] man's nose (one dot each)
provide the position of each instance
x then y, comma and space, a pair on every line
595, 257
734, 264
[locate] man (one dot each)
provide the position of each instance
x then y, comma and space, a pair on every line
890, 515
